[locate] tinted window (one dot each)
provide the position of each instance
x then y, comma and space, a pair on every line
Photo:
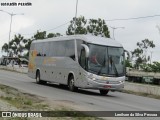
39, 49
70, 49
56, 48
60, 48
45, 49
52, 50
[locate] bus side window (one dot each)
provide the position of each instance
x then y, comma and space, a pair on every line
39, 54
70, 49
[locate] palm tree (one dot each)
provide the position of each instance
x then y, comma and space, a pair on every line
17, 45
5, 47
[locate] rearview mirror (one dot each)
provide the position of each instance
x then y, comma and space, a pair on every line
86, 50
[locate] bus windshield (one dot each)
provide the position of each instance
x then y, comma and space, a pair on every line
106, 60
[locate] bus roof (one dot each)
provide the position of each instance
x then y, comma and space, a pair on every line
88, 38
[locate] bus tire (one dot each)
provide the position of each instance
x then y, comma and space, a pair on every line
103, 92
38, 79
71, 84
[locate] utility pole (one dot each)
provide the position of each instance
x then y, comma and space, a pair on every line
11, 15
75, 42
151, 57
75, 17
114, 28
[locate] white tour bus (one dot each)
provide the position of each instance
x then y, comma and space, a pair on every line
79, 61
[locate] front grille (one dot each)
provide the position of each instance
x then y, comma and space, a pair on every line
107, 82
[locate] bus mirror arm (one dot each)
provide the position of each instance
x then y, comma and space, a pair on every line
86, 50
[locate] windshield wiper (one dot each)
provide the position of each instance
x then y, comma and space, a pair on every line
115, 69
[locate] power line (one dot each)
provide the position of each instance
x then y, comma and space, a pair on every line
117, 19
143, 17
48, 29
105, 20
59, 26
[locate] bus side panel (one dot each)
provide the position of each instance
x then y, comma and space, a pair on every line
66, 66
57, 69
32, 64
60, 69
40, 65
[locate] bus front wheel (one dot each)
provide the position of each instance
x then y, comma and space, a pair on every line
103, 92
71, 84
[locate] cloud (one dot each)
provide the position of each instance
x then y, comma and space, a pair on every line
21, 23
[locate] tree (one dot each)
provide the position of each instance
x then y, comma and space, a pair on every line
140, 53
98, 27
80, 26
43, 35
5, 47
27, 43
40, 35
16, 46
154, 67
50, 35
93, 26
128, 63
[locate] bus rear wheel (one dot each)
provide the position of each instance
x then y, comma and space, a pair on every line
38, 79
103, 92
71, 84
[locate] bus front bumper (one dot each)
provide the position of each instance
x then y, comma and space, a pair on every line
105, 85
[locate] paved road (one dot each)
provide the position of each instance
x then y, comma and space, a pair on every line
83, 100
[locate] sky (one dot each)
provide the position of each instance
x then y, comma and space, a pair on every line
46, 15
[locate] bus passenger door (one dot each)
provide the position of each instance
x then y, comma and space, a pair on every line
82, 60
84, 56
83, 65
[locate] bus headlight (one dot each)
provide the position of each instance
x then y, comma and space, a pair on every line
91, 76
121, 81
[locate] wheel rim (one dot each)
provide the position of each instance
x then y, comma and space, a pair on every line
37, 79
71, 84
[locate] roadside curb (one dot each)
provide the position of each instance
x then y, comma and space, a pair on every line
142, 88
16, 69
